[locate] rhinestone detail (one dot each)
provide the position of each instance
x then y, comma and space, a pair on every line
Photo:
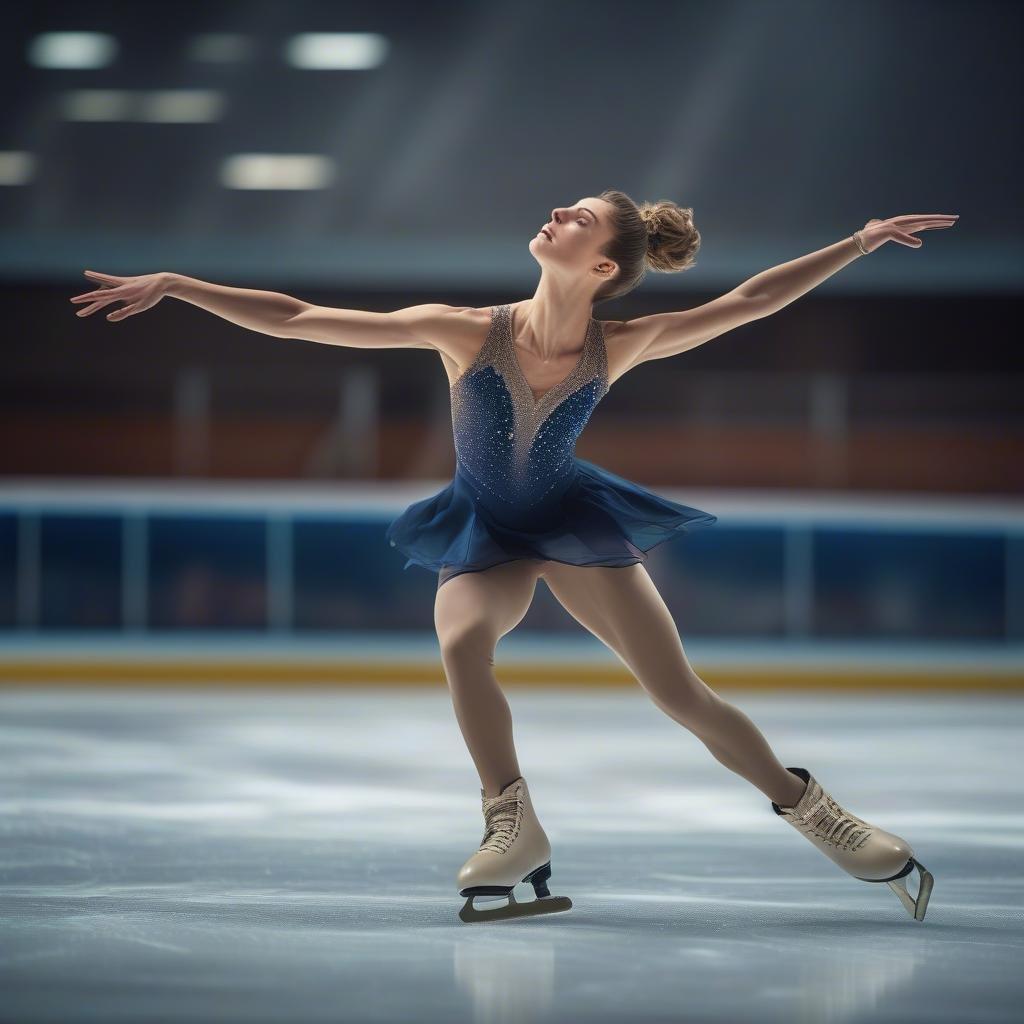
493, 405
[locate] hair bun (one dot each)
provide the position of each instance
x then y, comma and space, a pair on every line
650, 219
659, 236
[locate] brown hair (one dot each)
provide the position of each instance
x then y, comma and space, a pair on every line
661, 236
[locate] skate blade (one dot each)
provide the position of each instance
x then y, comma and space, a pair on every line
542, 905
914, 907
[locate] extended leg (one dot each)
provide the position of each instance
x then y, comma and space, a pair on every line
472, 611
623, 609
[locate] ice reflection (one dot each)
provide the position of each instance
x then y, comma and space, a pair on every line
509, 979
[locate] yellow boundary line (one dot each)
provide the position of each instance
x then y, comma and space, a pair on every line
241, 673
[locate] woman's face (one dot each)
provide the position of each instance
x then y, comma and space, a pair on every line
573, 236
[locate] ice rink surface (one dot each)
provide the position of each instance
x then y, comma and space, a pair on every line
231, 855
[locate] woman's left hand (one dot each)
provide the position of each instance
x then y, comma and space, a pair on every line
901, 229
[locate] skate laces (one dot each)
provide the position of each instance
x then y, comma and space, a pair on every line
833, 824
501, 818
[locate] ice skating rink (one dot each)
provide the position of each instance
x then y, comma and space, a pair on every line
275, 276
217, 855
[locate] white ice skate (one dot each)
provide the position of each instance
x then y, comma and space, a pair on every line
862, 850
514, 849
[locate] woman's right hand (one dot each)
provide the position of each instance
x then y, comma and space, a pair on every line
139, 293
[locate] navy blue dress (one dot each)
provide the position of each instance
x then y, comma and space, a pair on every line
519, 490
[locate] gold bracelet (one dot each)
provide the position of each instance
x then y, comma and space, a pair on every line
859, 243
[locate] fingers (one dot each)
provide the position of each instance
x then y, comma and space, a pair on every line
899, 228
923, 221
925, 216
91, 309
96, 300
120, 314
103, 277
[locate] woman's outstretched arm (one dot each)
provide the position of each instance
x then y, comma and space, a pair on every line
777, 287
667, 334
273, 313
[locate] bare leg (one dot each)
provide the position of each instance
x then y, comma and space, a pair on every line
472, 611
623, 609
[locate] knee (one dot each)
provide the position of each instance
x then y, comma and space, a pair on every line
467, 643
687, 697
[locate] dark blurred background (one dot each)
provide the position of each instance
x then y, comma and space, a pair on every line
376, 156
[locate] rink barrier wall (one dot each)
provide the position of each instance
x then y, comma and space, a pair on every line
126, 567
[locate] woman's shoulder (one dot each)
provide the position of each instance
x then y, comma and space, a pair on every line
465, 332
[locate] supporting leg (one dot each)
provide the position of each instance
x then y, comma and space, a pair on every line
472, 611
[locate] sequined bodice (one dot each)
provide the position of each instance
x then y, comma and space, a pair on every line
518, 451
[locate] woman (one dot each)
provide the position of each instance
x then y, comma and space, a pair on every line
525, 379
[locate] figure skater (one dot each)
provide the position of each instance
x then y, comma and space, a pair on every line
525, 378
